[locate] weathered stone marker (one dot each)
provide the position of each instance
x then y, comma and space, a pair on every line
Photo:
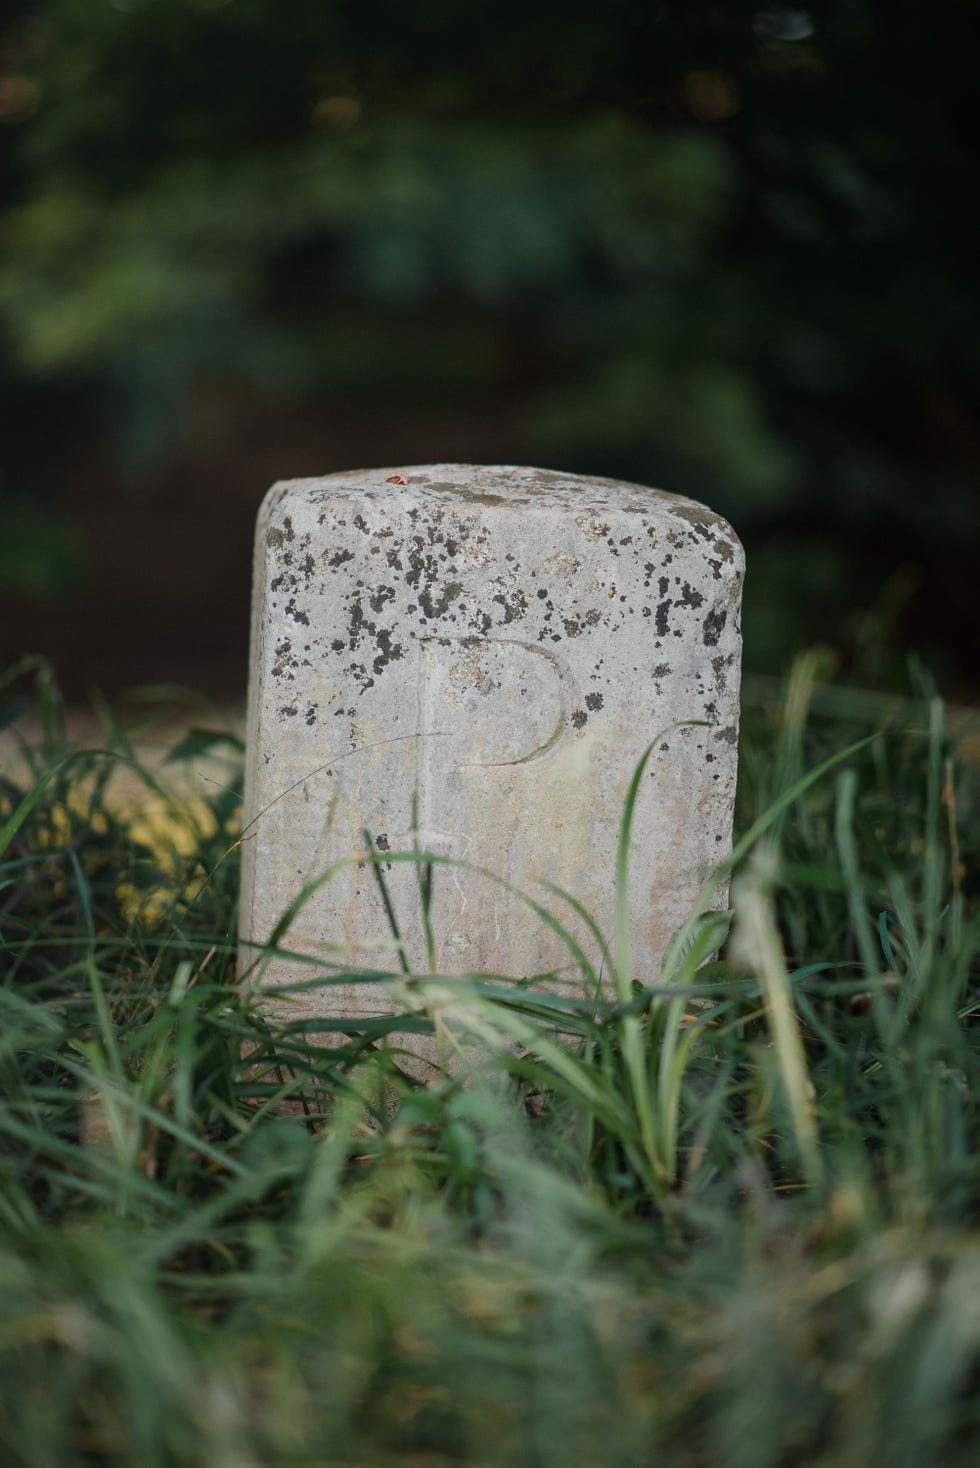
485, 653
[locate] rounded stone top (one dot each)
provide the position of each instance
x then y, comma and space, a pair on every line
498, 486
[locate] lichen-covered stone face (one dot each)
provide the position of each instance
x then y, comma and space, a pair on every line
476, 659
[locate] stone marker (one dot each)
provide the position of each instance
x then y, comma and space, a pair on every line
484, 653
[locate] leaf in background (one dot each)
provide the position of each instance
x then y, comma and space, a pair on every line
199, 743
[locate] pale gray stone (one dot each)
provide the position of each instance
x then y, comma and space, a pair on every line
480, 656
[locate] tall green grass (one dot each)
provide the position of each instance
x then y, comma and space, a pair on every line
728, 1219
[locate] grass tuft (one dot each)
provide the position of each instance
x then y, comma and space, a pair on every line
729, 1218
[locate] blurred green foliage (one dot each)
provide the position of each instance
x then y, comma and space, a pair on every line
727, 249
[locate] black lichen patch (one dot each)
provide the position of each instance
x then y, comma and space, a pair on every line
390, 651
285, 661
689, 597
580, 718
381, 596
436, 606
356, 624
360, 675
713, 626
514, 605
293, 611
661, 622
339, 558
593, 701
704, 522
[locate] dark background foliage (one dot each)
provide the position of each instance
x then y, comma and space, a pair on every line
727, 249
